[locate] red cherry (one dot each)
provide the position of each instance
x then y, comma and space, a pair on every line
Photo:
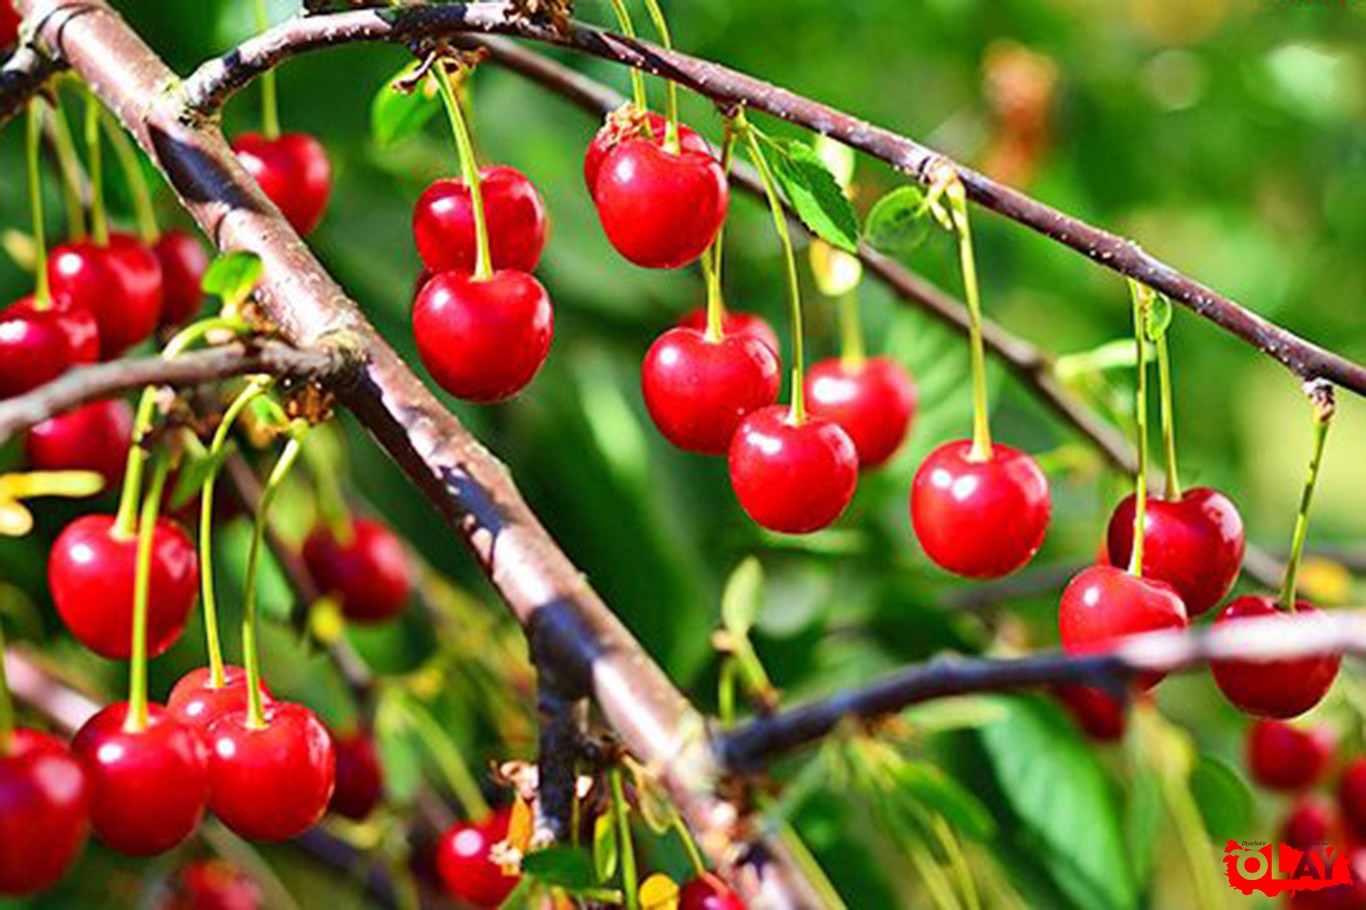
212, 885
734, 322
360, 778
1194, 544
292, 170
1273, 688
1312, 820
1352, 798
91, 573
9, 24
183, 263
483, 340
698, 390
443, 222
1282, 757
37, 346
1102, 717
660, 210
464, 864
1337, 897
93, 437
148, 787
372, 573
979, 519
788, 477
613, 133
273, 783
1103, 605
707, 892
119, 284
873, 401
197, 703
44, 817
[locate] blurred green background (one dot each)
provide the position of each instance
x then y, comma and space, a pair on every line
1227, 137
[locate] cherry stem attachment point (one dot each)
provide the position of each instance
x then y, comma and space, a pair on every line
469, 167
642, 102
137, 181
6, 702
33, 153
716, 306
671, 140
270, 106
69, 165
99, 222
1164, 378
1142, 302
1323, 418
142, 583
958, 208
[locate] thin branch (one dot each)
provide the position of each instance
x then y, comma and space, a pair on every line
23, 75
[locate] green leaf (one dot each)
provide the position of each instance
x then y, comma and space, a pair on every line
743, 597
814, 193
1121, 353
605, 846
1159, 318
561, 867
396, 114
194, 471
930, 787
1142, 819
1223, 797
398, 750
232, 276
898, 222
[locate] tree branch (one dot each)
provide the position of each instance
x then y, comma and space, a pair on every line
23, 75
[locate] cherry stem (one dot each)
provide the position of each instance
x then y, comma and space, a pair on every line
1142, 300
69, 165
756, 154
623, 15
630, 882
6, 702
137, 181
1323, 417
716, 304
270, 108
459, 778
256, 716
142, 583
99, 222
332, 505
699, 865
981, 419
1164, 378
255, 387
852, 352
671, 140
42, 296
469, 167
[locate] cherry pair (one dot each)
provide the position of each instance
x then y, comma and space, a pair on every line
119, 283
93, 437
370, 572
38, 344
44, 812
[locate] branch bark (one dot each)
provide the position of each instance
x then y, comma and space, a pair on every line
23, 75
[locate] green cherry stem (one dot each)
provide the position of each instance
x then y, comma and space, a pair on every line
68, 164
637, 79
6, 702
99, 222
469, 167
133, 175
1142, 300
699, 865
981, 419
1164, 380
1323, 418
142, 583
756, 154
270, 108
671, 140
332, 506
630, 879
42, 297
716, 305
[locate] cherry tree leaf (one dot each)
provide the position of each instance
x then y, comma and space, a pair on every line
742, 597
560, 867
396, 113
232, 276
898, 221
814, 193
1159, 318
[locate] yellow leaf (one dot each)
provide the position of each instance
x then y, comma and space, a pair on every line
659, 892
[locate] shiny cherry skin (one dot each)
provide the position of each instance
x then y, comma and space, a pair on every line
212, 885
1273, 688
698, 390
197, 703
1283, 757
874, 401
149, 787
613, 133
44, 813
1195, 544
1352, 798
120, 284
183, 261
660, 210
273, 783
1311, 820
93, 437
371, 573
38, 345
483, 341
360, 777
293, 171
979, 519
707, 892
91, 572
443, 222
1102, 605
793, 478
734, 322
466, 869
1101, 716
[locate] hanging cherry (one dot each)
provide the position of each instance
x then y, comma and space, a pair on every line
370, 572
292, 170
93, 437
118, 282
44, 811
735, 322
443, 222
627, 123
707, 892
1283, 757
9, 24
465, 864
197, 702
873, 401
360, 777
1312, 820
183, 262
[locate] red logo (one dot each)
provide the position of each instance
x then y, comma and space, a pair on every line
1257, 866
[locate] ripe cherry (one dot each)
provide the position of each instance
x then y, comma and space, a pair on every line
119, 284
1312, 820
1352, 798
793, 478
443, 222
148, 787
707, 892
873, 401
44, 813
183, 262
274, 782
197, 703
616, 131
1101, 716
91, 570
292, 170
1282, 757
483, 340
212, 885
360, 777
698, 390
1103, 605
37, 346
371, 573
1195, 544
1273, 688
93, 437
734, 322
979, 519
660, 210
465, 866
9, 24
